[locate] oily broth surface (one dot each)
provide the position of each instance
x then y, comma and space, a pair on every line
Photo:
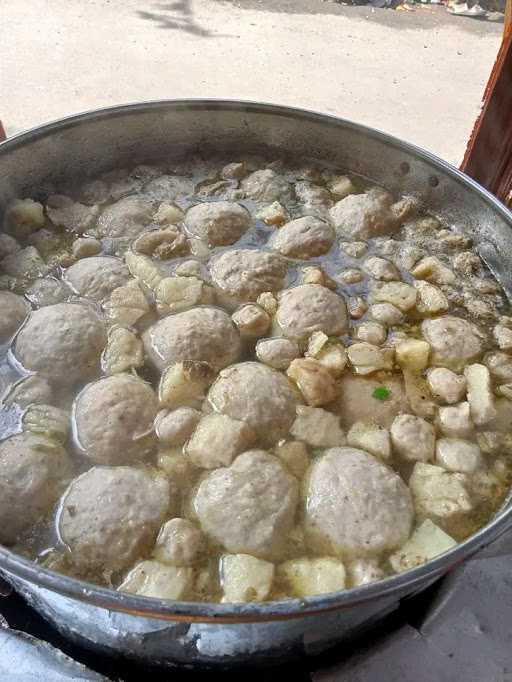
41, 542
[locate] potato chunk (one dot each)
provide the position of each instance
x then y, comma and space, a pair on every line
245, 578
455, 454
305, 577
426, 542
314, 381
413, 438
319, 428
480, 396
371, 437
217, 440
124, 351
154, 579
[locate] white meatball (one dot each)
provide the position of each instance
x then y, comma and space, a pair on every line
413, 438
387, 313
361, 216
445, 385
371, 332
303, 238
179, 543
32, 390
244, 274
13, 311
62, 342
455, 454
454, 341
265, 185
126, 218
380, 268
32, 469
112, 416
248, 507
48, 291
277, 353
258, 395
109, 516
309, 308
203, 334
356, 506
357, 401
220, 223
96, 277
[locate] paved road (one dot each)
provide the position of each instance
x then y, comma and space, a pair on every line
417, 75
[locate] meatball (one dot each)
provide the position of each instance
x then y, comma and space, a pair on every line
97, 277
248, 507
362, 216
309, 308
357, 402
13, 310
413, 438
303, 238
127, 217
355, 506
48, 291
202, 334
63, 342
244, 274
221, 223
31, 471
109, 516
112, 416
265, 185
454, 341
277, 353
258, 395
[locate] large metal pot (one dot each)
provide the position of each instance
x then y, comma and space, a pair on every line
195, 634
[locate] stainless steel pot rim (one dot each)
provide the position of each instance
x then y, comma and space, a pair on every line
110, 599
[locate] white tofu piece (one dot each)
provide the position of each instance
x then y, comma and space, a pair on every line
431, 300
217, 440
445, 385
364, 571
387, 314
305, 577
503, 336
380, 268
294, 455
455, 420
366, 358
319, 428
402, 296
426, 542
413, 438
179, 543
480, 395
412, 354
434, 271
252, 321
273, 214
455, 454
154, 579
372, 438
331, 354
371, 332
245, 578
315, 382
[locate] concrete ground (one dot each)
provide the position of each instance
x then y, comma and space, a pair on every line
418, 75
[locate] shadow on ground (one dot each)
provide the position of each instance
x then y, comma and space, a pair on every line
177, 16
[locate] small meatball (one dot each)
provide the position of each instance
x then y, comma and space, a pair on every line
341, 186
303, 238
426, 542
125, 219
23, 217
431, 300
439, 495
368, 436
71, 215
434, 271
361, 216
163, 244
250, 506
315, 382
364, 571
48, 291
200, 334
455, 420
168, 214
245, 578
380, 268
112, 416
127, 304
499, 365
252, 321
455, 454
124, 351
176, 427
32, 390
244, 274
480, 395
454, 341
413, 438
62, 342
273, 214
176, 294
387, 314
217, 440
357, 307
185, 383
371, 332
401, 295
258, 395
220, 223
319, 428
179, 543
158, 580
294, 455
234, 171
109, 516
445, 385
26, 265
32, 469
96, 277
366, 358
309, 308
354, 249
307, 577
357, 400
84, 247
265, 185
8, 246
13, 311
356, 506
277, 353
412, 354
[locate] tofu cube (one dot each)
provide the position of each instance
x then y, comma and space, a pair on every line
480, 395
372, 438
217, 440
412, 354
305, 577
319, 428
245, 578
154, 579
426, 542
